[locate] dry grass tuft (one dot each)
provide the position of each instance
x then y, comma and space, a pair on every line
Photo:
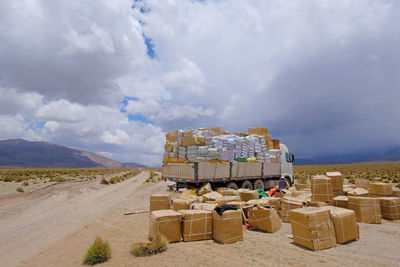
98, 252
154, 178
104, 181
20, 189
156, 246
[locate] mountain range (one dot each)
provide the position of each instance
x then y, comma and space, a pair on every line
23, 153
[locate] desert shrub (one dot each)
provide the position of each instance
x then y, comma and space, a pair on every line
25, 183
98, 252
351, 181
112, 180
104, 181
395, 180
155, 246
302, 179
154, 178
20, 189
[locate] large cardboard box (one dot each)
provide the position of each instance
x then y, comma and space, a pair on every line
345, 222
226, 199
362, 183
227, 228
274, 202
297, 193
381, 189
290, 203
172, 136
203, 206
229, 192
212, 196
194, 140
390, 207
196, 225
181, 204
264, 219
321, 188
318, 204
359, 192
301, 187
337, 182
165, 223
249, 194
160, 202
367, 209
313, 228
341, 202
239, 204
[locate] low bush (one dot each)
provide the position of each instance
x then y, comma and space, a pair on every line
20, 189
98, 252
25, 183
104, 181
156, 246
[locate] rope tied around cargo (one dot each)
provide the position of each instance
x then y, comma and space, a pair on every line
376, 214
163, 221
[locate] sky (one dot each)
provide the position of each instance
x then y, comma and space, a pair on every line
113, 76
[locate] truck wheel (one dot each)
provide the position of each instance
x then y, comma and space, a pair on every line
247, 185
258, 184
232, 185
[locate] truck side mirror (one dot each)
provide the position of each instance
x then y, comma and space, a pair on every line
292, 157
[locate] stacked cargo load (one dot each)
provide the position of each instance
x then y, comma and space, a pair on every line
215, 144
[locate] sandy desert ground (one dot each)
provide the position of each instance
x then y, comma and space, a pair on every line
54, 227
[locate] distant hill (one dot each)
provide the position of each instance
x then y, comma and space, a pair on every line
23, 153
392, 155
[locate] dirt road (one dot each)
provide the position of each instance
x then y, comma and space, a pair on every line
103, 213
30, 222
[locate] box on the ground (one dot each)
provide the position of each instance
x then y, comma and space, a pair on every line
229, 192
290, 203
227, 228
337, 182
318, 204
225, 199
396, 191
196, 225
301, 187
239, 204
264, 219
341, 202
274, 202
361, 183
203, 206
321, 188
345, 222
381, 189
212, 196
249, 194
160, 202
390, 207
367, 209
313, 228
181, 204
165, 223
359, 192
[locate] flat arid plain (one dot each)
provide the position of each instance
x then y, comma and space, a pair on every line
53, 223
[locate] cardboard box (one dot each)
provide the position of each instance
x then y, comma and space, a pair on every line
195, 140
345, 223
396, 191
249, 194
172, 136
301, 187
196, 225
165, 223
341, 202
226, 199
264, 219
321, 188
227, 228
212, 196
181, 204
318, 204
390, 207
160, 202
203, 206
239, 204
381, 189
337, 182
299, 193
290, 203
274, 202
313, 228
358, 192
229, 192
367, 209
362, 183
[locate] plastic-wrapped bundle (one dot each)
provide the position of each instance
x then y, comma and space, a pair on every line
203, 150
182, 152
227, 155
214, 153
209, 142
192, 153
172, 154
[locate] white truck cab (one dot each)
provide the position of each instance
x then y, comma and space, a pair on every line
287, 160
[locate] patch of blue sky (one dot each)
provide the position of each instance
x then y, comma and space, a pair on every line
133, 117
36, 124
150, 46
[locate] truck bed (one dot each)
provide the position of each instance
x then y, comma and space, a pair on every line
199, 172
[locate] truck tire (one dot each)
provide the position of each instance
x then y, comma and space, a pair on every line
232, 185
247, 185
258, 184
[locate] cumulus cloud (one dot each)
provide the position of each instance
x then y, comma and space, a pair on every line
321, 75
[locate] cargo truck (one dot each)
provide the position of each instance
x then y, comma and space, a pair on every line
251, 175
